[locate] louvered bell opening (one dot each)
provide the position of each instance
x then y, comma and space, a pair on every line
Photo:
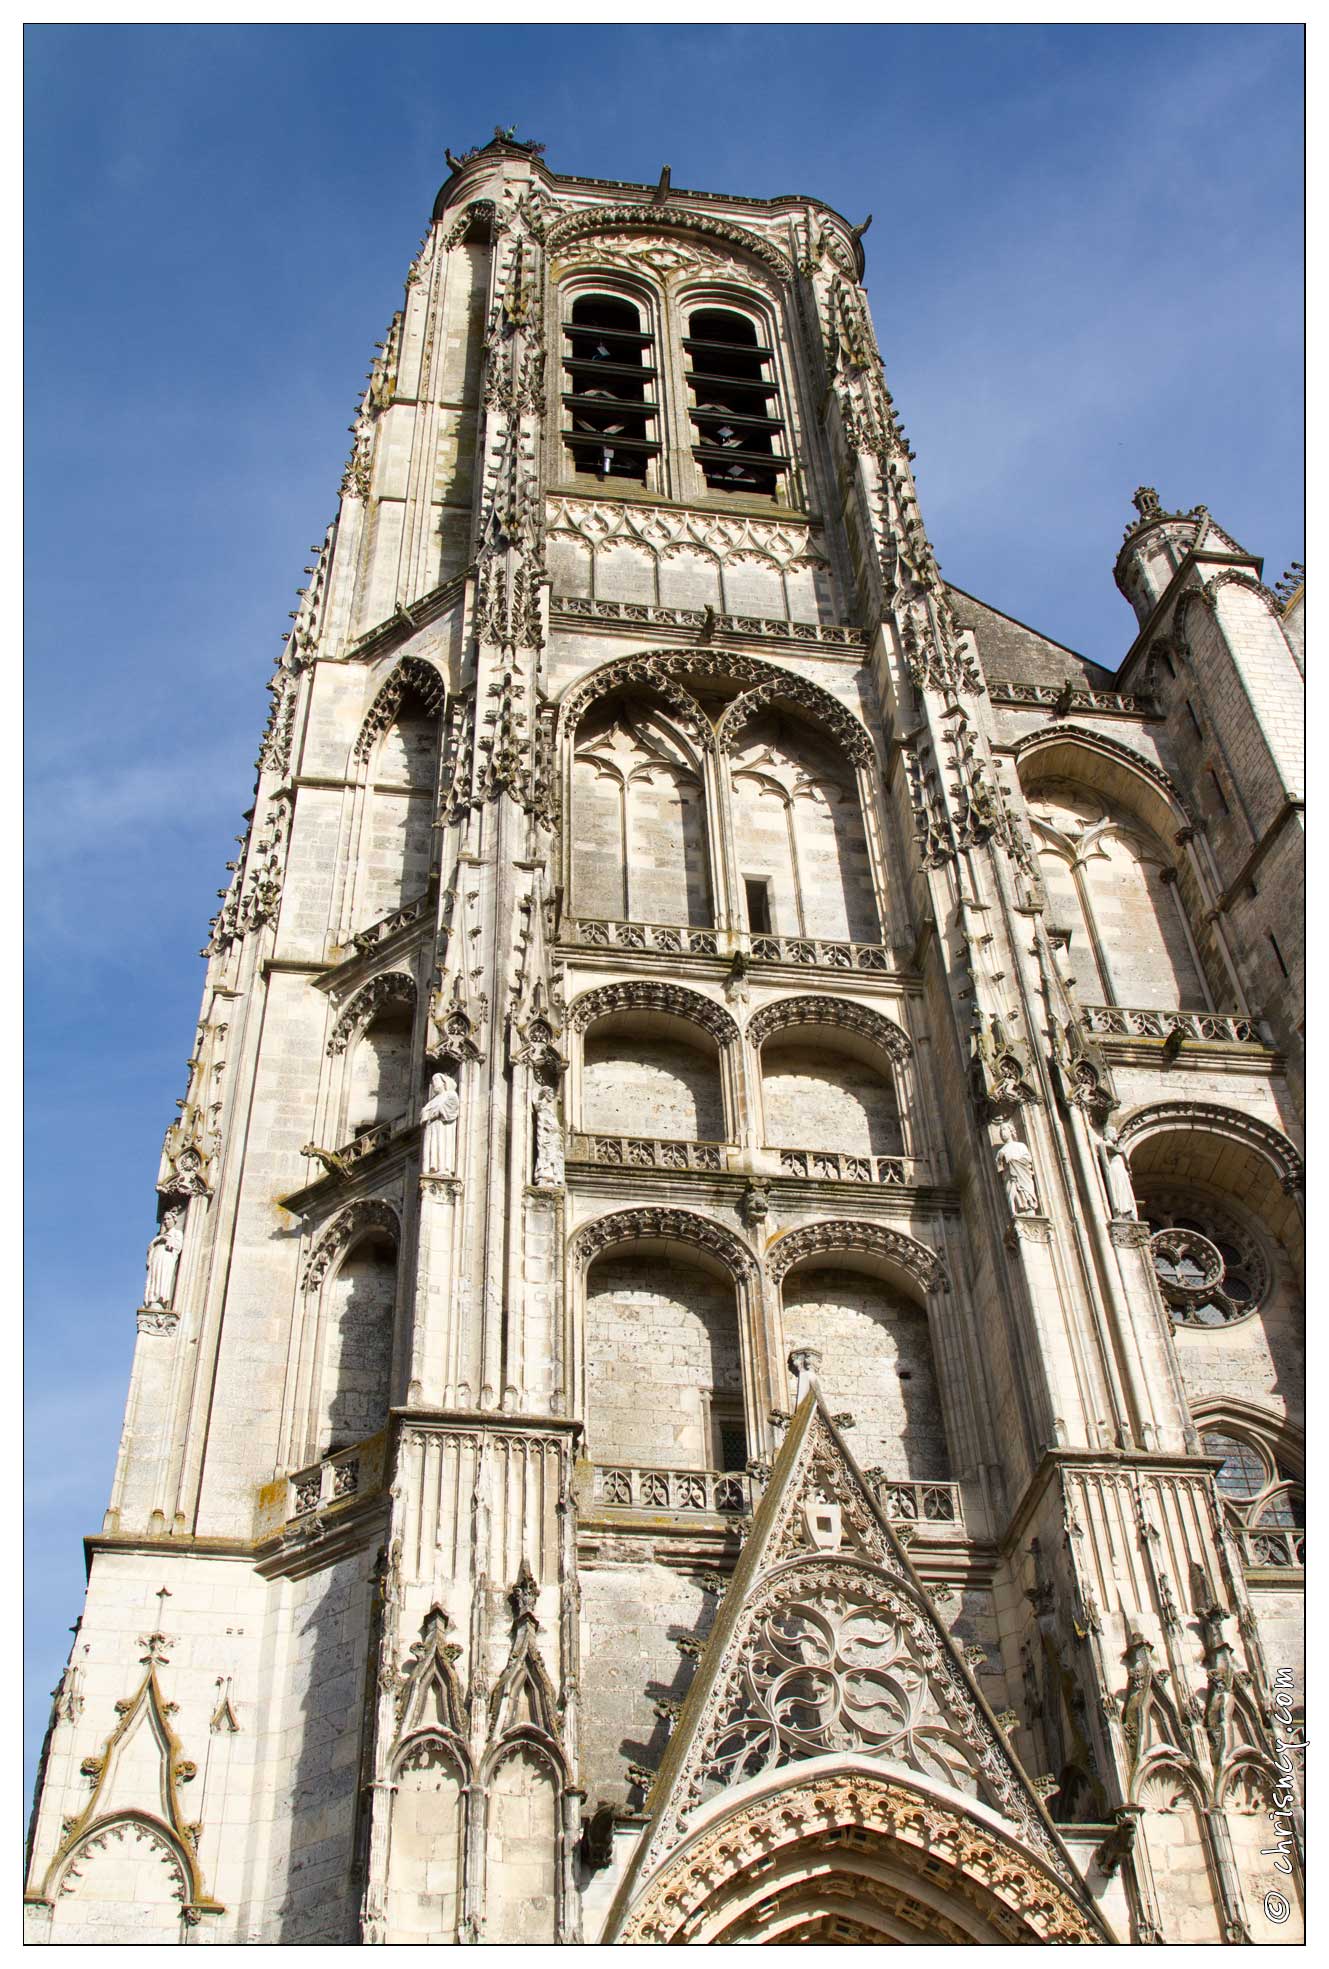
735, 414
608, 401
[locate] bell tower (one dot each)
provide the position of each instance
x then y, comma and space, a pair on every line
720, 1359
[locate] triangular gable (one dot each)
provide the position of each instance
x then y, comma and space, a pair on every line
826, 1642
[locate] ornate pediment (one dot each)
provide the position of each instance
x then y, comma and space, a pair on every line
827, 1644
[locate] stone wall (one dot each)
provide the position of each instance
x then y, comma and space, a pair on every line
661, 1337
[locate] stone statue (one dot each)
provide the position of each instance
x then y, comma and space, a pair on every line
1016, 1167
164, 1258
438, 1117
1116, 1174
548, 1140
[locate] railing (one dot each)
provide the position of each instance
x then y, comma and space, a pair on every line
388, 926
329, 1482
641, 1152
597, 932
905, 1503
337, 1161
1125, 1022
1070, 697
832, 1164
674, 938
628, 1487
841, 635
1277, 1547
834, 956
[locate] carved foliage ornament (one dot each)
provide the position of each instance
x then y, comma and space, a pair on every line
368, 1213
636, 219
667, 672
846, 1234
645, 995
393, 987
979, 1866
680, 1226
840, 1012
411, 675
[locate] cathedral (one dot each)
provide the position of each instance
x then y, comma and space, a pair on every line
721, 1359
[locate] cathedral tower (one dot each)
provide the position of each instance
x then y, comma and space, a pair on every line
721, 1359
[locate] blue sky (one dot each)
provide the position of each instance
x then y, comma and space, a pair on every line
1085, 270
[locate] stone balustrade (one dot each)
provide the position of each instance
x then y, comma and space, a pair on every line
922, 1504
644, 1152
675, 940
627, 1487
329, 1482
388, 926
671, 938
1128, 1022
833, 1165
1279, 1548
925, 1506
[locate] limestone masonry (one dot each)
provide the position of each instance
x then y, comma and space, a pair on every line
722, 1360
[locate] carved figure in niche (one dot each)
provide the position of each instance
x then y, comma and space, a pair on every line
1116, 1174
548, 1138
438, 1117
1015, 1165
164, 1258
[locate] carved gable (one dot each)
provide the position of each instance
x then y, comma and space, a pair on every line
826, 1643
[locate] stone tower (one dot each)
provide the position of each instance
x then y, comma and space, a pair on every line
722, 1357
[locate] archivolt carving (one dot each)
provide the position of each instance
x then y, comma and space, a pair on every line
645, 995
662, 670
392, 986
841, 1012
682, 1226
1111, 748
411, 674
664, 218
367, 1213
1275, 1147
642, 672
847, 1234
798, 690
922, 1834
1232, 577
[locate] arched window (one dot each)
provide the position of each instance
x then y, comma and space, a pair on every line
735, 412
664, 1372
639, 840
1204, 1289
611, 417
1113, 901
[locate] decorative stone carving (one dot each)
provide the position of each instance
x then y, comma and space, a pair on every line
1000, 1073
367, 1213
619, 220
1015, 1165
648, 995
815, 1009
411, 676
438, 1119
548, 1139
164, 1259
848, 1234
391, 987
1115, 1164
1189, 1115
631, 1226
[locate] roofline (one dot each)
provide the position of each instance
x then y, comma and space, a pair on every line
955, 589
784, 201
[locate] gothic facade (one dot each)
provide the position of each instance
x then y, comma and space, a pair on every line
722, 1355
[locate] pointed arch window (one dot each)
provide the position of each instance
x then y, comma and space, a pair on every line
611, 418
737, 426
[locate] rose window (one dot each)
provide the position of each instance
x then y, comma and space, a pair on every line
1210, 1271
